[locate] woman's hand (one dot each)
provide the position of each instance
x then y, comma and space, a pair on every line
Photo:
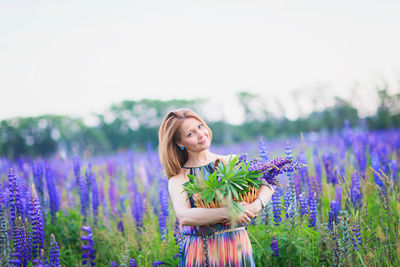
244, 216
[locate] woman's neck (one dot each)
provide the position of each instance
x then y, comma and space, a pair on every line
199, 159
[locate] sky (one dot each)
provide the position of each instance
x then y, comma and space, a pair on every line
79, 57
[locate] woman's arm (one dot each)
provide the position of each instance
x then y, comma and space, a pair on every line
192, 216
265, 193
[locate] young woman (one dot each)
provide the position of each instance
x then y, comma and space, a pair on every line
184, 142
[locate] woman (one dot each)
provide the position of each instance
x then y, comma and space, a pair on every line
184, 141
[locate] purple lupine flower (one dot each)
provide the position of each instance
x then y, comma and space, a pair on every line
275, 246
54, 256
77, 169
303, 204
375, 163
178, 238
53, 197
120, 226
303, 171
158, 263
291, 210
113, 264
328, 164
271, 169
14, 201
332, 215
163, 225
95, 197
356, 236
262, 150
276, 203
83, 197
88, 254
20, 244
43, 262
395, 171
37, 171
163, 196
313, 210
28, 239
317, 164
355, 190
138, 208
132, 263
359, 152
37, 224
338, 198
112, 195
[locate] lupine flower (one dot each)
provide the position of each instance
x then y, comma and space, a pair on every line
37, 171
52, 192
28, 239
271, 169
313, 211
95, 197
328, 164
54, 257
132, 263
113, 264
120, 226
88, 254
355, 191
163, 225
276, 202
292, 207
301, 158
361, 158
356, 236
275, 246
395, 171
14, 201
20, 245
375, 163
37, 224
338, 198
303, 204
83, 196
317, 164
178, 237
332, 215
138, 208
262, 150
158, 263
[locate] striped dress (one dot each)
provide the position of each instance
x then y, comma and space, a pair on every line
226, 249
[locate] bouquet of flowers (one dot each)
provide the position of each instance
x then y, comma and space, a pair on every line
238, 180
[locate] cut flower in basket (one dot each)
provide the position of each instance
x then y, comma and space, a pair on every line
237, 179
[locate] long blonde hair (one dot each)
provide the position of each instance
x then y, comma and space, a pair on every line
171, 156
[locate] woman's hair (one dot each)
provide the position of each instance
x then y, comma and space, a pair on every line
171, 156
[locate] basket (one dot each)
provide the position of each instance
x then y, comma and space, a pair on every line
248, 197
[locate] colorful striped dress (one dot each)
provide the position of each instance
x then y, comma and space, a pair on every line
225, 249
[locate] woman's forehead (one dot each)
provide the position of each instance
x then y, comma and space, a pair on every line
189, 124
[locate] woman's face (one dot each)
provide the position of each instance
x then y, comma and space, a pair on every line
194, 135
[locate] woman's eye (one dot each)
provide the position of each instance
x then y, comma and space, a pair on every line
189, 134
200, 125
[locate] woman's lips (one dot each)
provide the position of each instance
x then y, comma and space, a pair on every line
202, 143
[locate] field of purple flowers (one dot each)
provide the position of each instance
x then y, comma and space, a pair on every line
342, 210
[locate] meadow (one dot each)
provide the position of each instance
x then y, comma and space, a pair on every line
114, 210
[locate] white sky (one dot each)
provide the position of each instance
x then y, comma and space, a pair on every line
77, 57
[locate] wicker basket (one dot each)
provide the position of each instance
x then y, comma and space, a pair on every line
248, 197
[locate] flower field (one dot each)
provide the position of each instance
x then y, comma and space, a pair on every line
343, 209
